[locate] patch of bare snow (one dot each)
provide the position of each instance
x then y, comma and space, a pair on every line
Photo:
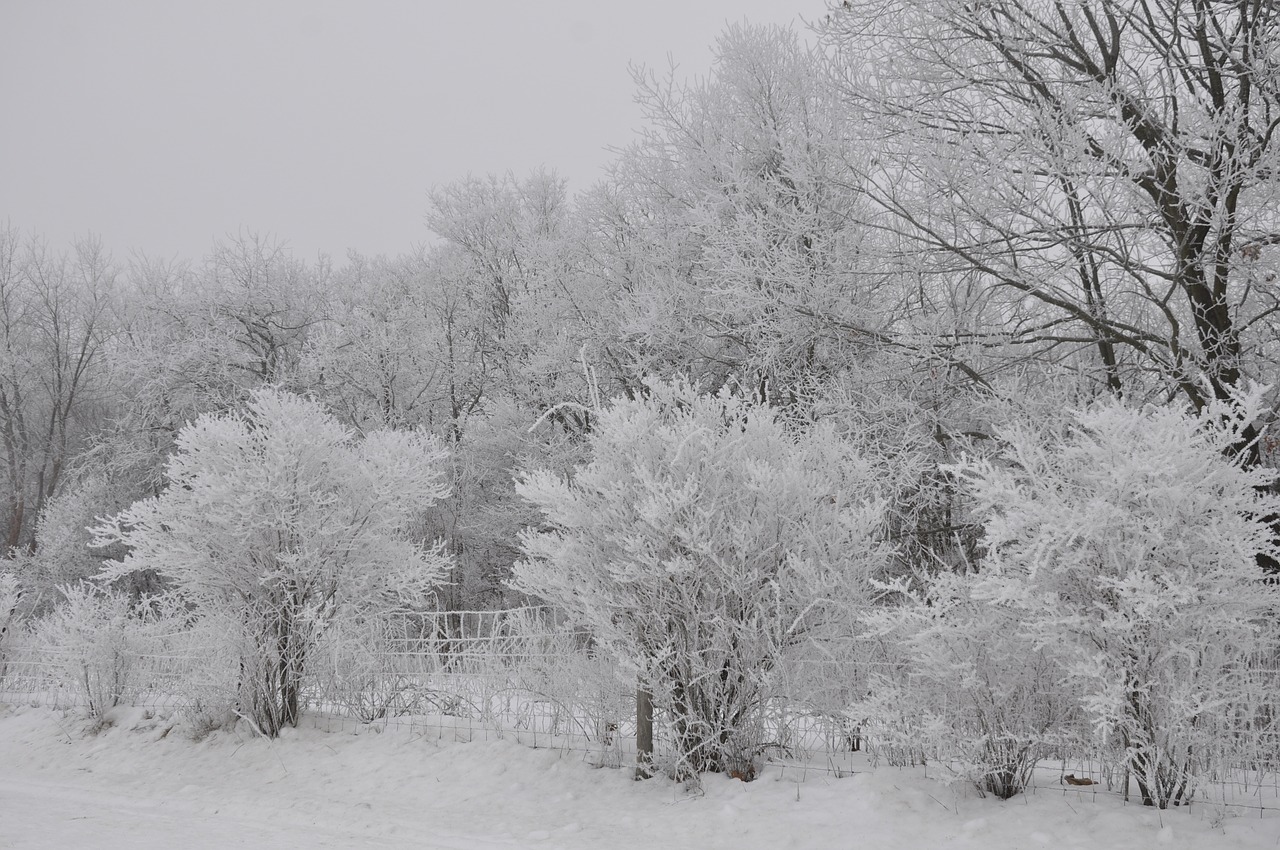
142, 782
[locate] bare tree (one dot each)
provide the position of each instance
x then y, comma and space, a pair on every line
54, 319
498, 223
267, 301
1101, 172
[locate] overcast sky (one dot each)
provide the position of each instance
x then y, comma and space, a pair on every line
161, 125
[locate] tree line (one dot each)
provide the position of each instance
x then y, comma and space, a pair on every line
957, 249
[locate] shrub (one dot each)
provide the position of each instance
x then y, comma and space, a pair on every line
973, 690
1127, 544
703, 539
278, 519
95, 638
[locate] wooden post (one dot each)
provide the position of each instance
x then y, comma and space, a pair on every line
644, 733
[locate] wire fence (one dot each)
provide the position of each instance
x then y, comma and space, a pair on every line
523, 674
527, 675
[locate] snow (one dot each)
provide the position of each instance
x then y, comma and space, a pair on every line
143, 782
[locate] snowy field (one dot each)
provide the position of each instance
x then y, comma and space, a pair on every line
143, 783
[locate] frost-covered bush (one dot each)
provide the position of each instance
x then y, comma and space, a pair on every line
703, 538
279, 519
360, 674
1126, 544
972, 691
96, 638
205, 669
570, 681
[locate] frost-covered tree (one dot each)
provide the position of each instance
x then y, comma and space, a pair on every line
55, 319
702, 540
279, 517
403, 346
1101, 174
197, 338
1127, 542
263, 302
511, 273
62, 556
502, 225
725, 229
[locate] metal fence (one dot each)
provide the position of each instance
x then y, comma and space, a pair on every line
525, 674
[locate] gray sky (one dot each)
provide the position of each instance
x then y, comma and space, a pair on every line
162, 124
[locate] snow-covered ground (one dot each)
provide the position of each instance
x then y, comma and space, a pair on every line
144, 783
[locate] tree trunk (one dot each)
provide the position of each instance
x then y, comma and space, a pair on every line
644, 733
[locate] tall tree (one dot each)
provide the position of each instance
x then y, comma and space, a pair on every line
197, 338
55, 318
1102, 172
732, 232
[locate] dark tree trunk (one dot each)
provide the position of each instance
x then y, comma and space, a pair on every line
644, 732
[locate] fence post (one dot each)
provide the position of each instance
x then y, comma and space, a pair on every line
644, 732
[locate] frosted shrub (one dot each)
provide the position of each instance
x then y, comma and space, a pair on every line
1125, 543
975, 691
372, 669
96, 637
207, 653
561, 670
363, 680
701, 541
279, 519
